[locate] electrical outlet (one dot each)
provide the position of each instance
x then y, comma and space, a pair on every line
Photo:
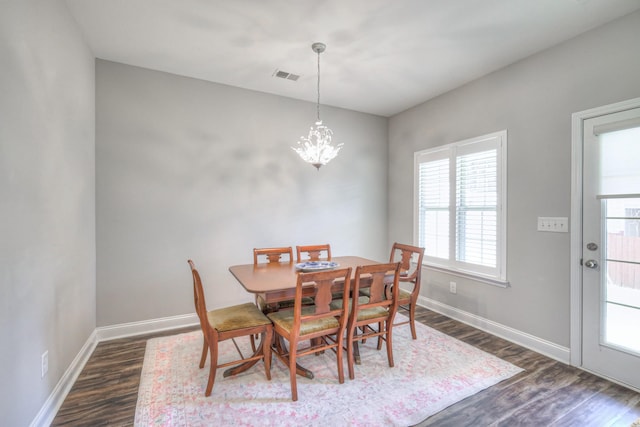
45, 364
452, 287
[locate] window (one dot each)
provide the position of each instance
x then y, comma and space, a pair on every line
460, 199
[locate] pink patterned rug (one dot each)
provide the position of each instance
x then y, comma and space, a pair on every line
431, 373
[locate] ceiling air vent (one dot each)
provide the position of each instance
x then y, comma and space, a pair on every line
284, 75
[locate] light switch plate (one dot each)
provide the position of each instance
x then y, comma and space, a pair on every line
553, 224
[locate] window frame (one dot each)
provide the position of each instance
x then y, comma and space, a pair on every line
452, 151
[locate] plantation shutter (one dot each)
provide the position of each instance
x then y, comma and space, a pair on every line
477, 208
434, 206
460, 207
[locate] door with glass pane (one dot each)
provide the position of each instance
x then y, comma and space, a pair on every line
611, 246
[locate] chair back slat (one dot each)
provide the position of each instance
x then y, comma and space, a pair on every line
377, 286
273, 254
405, 254
383, 292
313, 252
323, 284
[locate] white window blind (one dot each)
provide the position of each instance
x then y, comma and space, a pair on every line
461, 206
434, 208
476, 208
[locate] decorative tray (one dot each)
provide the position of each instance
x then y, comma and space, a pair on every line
316, 265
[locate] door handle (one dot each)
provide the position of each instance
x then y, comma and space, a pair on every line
591, 263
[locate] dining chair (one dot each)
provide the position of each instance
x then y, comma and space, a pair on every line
372, 316
313, 252
229, 323
318, 327
411, 275
273, 254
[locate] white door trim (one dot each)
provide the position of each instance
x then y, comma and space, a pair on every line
577, 119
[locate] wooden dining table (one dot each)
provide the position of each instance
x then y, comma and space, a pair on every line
276, 282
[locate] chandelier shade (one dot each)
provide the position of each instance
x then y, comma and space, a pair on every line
316, 147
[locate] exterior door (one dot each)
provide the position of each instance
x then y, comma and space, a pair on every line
611, 246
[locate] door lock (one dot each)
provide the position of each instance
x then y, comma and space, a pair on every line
592, 246
591, 263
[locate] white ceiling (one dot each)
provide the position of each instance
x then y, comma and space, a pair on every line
382, 57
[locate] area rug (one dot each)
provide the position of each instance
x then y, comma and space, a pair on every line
430, 373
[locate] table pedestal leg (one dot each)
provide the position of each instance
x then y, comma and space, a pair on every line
281, 351
246, 365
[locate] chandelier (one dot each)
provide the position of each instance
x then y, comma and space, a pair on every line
316, 148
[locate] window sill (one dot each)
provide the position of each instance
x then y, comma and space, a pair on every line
475, 277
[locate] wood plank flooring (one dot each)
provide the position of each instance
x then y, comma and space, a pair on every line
547, 393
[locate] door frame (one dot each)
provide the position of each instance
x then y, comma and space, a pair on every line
577, 122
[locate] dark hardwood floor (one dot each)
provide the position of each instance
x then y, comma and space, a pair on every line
547, 393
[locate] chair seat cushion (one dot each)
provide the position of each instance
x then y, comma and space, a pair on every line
365, 313
372, 313
237, 317
284, 320
403, 296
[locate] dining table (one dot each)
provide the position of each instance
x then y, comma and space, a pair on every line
275, 282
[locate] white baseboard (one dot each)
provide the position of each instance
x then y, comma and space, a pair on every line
50, 408
106, 333
524, 339
53, 403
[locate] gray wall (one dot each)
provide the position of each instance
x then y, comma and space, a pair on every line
47, 196
532, 99
191, 169
185, 168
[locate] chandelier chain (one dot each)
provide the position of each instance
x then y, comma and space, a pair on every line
318, 89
